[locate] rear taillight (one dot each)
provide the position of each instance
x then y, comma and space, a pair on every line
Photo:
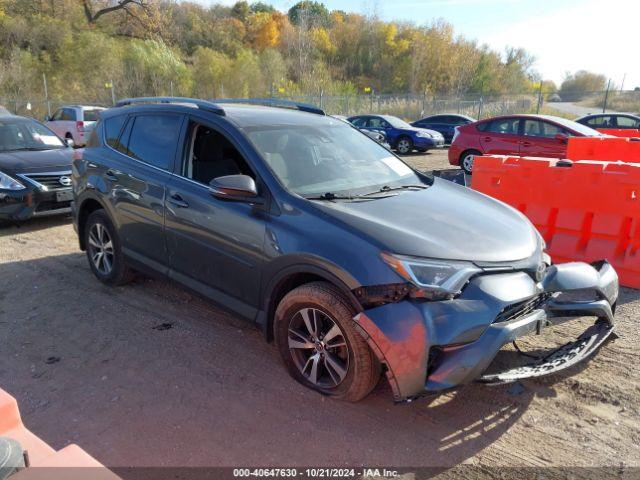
80, 126
456, 132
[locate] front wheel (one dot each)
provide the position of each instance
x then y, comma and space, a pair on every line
466, 160
404, 145
104, 251
315, 335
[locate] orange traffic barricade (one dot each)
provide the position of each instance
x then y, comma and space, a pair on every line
621, 132
585, 211
610, 149
44, 462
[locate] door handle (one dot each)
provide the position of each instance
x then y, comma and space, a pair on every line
487, 139
526, 144
178, 201
111, 175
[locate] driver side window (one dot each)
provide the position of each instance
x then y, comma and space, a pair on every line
211, 155
375, 122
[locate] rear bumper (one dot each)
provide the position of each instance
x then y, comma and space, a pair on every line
434, 346
454, 155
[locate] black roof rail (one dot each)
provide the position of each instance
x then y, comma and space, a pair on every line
273, 102
201, 104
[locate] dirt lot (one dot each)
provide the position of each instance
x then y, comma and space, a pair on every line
97, 366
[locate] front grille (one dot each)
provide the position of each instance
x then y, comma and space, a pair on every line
48, 181
521, 309
48, 206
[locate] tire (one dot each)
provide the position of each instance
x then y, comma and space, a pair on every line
404, 145
346, 368
466, 160
100, 236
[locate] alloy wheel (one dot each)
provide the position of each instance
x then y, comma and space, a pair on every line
404, 146
101, 248
318, 347
467, 162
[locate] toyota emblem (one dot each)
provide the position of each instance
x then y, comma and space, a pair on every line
64, 181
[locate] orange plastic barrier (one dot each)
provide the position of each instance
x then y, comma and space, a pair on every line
608, 149
67, 461
585, 212
621, 132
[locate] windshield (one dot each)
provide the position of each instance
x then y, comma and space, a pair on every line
577, 127
27, 135
396, 122
333, 158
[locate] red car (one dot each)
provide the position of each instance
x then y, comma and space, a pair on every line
521, 135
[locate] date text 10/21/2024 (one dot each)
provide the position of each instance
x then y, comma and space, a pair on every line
315, 472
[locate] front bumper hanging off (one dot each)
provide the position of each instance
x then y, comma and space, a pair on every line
433, 346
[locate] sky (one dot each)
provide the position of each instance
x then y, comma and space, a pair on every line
563, 35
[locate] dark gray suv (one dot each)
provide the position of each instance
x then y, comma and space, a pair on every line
353, 262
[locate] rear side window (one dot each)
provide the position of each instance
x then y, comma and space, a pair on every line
91, 115
505, 126
626, 122
154, 139
112, 128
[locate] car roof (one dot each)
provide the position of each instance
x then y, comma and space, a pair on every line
83, 107
241, 115
534, 116
466, 117
15, 118
609, 114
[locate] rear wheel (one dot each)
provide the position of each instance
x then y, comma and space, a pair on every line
104, 251
404, 145
466, 160
316, 338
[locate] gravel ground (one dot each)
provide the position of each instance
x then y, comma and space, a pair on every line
149, 375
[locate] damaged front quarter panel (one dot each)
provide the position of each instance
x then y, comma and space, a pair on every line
467, 332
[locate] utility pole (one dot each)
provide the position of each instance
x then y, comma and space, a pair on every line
624, 77
539, 98
481, 101
606, 97
46, 95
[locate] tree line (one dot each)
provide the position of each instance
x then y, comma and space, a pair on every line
159, 47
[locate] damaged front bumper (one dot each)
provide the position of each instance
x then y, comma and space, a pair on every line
432, 346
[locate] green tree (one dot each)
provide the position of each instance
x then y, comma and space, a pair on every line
308, 13
261, 7
577, 86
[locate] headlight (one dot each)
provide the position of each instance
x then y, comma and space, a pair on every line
435, 279
9, 183
423, 135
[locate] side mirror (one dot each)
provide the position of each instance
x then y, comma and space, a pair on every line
561, 137
69, 141
240, 188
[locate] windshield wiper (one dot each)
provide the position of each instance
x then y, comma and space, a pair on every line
332, 196
30, 149
387, 188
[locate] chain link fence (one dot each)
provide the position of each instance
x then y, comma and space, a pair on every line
407, 106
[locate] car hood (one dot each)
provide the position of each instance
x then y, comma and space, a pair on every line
445, 221
418, 129
35, 161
